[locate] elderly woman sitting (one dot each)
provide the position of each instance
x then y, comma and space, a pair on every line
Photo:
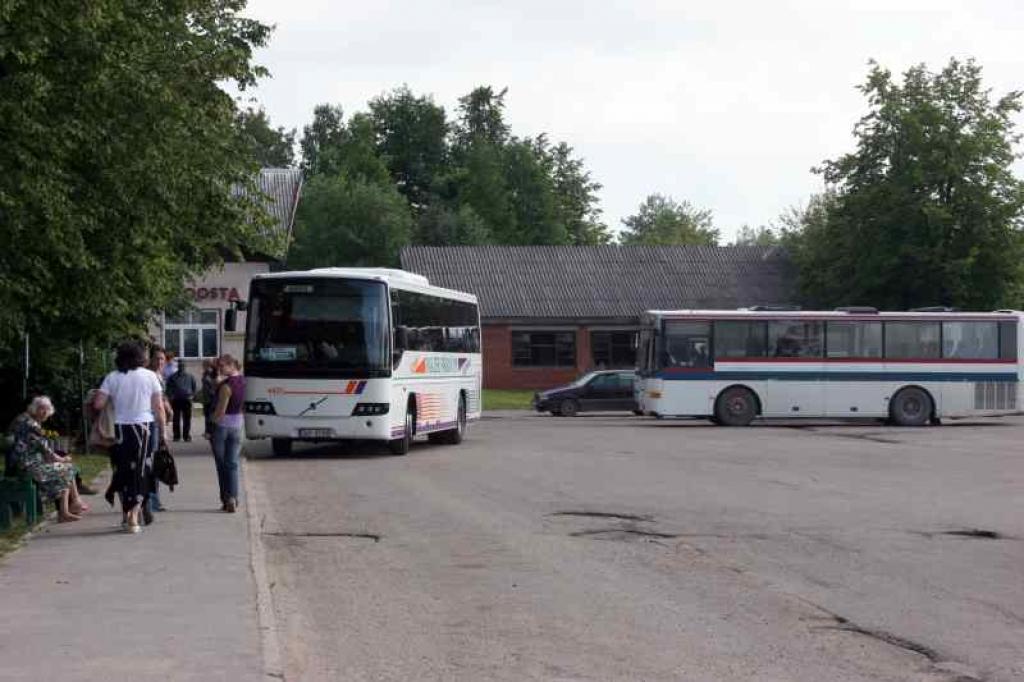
54, 474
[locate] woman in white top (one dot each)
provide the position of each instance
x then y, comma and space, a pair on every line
138, 406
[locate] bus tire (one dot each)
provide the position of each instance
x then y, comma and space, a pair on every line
736, 406
455, 436
400, 446
568, 408
911, 406
281, 447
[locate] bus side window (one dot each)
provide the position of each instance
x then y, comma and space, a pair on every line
687, 344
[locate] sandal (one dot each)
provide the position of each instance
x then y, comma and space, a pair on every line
67, 518
80, 509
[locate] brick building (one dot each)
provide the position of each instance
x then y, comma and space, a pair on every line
550, 313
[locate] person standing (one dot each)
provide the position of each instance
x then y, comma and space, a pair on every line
181, 389
228, 430
158, 365
170, 366
211, 381
138, 400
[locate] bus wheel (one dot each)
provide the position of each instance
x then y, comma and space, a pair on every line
453, 436
911, 407
568, 408
282, 447
735, 407
400, 446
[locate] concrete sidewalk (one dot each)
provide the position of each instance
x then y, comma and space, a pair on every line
85, 601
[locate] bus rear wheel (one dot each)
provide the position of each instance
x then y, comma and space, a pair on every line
911, 407
282, 447
453, 436
735, 406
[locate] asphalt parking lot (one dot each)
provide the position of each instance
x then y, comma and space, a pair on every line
611, 547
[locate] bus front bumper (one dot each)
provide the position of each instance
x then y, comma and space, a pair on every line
318, 428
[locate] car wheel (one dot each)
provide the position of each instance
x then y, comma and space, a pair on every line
282, 447
568, 408
400, 446
736, 407
911, 407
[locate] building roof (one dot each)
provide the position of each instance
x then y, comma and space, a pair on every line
280, 188
605, 282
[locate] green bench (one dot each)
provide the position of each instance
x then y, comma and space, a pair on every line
18, 494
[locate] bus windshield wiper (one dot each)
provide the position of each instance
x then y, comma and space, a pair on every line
313, 406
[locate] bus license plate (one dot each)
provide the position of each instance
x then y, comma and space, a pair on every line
316, 433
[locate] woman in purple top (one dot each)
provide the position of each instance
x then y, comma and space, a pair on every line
227, 433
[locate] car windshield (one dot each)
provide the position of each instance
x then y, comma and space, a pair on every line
318, 326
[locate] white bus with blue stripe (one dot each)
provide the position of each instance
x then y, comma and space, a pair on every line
912, 368
360, 354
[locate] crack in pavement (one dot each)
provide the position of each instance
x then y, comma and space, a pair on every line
872, 437
361, 536
606, 515
970, 533
623, 531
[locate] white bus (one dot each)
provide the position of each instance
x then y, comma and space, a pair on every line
911, 368
359, 353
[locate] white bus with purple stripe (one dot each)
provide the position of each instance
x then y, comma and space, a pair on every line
360, 353
911, 368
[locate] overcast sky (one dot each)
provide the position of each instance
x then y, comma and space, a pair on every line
726, 104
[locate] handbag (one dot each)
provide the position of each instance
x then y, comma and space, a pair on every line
164, 468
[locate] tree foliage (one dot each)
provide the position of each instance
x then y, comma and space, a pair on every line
121, 154
663, 221
271, 147
350, 221
759, 236
925, 210
466, 180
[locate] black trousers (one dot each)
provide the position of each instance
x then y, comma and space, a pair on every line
132, 456
182, 411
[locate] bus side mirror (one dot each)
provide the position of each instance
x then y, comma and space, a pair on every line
230, 320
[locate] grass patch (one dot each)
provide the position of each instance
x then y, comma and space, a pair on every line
499, 399
91, 466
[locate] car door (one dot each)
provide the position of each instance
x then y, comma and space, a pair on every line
624, 392
599, 393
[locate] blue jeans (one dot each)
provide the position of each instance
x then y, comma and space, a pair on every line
227, 446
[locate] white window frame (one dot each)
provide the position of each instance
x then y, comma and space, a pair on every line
192, 316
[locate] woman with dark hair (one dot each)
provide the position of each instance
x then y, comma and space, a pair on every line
138, 400
229, 430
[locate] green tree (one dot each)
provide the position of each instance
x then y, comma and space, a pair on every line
412, 138
271, 147
442, 226
482, 118
663, 221
321, 139
761, 236
576, 202
121, 155
346, 221
926, 210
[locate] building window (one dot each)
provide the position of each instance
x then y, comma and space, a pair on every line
544, 349
193, 334
613, 349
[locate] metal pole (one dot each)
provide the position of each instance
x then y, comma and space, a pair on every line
24, 380
81, 396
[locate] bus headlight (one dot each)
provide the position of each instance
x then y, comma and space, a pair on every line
370, 409
259, 407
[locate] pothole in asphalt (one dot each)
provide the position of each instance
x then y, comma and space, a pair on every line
606, 515
358, 536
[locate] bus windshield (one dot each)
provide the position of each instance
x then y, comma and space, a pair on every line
318, 327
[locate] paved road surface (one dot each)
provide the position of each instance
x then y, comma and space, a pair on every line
611, 548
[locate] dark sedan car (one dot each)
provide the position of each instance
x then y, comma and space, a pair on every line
610, 390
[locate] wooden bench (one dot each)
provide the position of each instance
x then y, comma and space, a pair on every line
18, 493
